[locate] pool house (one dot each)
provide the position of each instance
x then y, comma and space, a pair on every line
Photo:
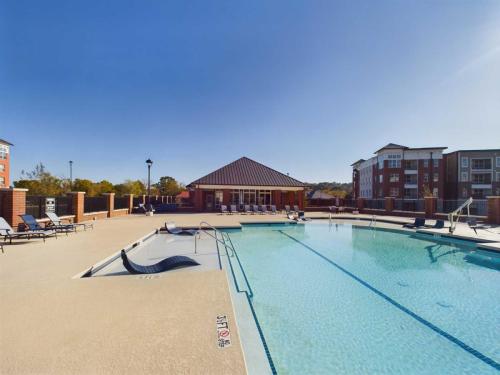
245, 182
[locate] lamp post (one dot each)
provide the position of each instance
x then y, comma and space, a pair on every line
149, 162
71, 174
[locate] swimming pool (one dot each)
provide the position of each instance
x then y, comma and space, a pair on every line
341, 299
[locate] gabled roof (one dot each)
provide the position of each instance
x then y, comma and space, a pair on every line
247, 172
3, 141
357, 162
391, 146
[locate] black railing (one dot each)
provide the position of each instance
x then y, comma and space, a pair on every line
95, 204
121, 202
478, 207
36, 205
412, 205
377, 204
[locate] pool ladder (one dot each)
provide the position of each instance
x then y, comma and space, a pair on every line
373, 222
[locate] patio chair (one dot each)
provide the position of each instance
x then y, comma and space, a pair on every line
7, 232
56, 223
301, 216
172, 229
166, 264
223, 209
296, 208
233, 209
287, 208
142, 208
263, 209
255, 209
474, 225
274, 211
438, 225
419, 223
247, 209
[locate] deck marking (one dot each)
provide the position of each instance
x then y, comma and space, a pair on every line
223, 334
453, 339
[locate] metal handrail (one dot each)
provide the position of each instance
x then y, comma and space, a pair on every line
223, 242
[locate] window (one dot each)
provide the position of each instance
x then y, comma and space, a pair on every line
435, 192
218, 198
265, 197
410, 193
235, 197
2, 181
381, 178
394, 163
410, 164
4, 150
435, 163
426, 163
411, 179
498, 176
464, 177
436, 177
380, 164
481, 178
481, 164
394, 177
480, 193
426, 177
393, 192
498, 161
2, 167
465, 162
465, 193
249, 197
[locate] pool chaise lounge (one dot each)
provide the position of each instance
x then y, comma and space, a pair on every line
8, 233
57, 222
419, 223
166, 264
172, 229
33, 226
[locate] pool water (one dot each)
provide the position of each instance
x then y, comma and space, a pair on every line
341, 299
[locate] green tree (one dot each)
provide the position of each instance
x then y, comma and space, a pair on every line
168, 186
85, 185
40, 182
104, 187
135, 187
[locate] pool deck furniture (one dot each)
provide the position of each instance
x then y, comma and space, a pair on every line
296, 208
287, 209
419, 223
246, 209
223, 209
172, 229
255, 209
56, 224
8, 233
56, 221
274, 211
474, 225
166, 264
438, 225
263, 209
233, 209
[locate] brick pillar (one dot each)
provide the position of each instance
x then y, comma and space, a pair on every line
226, 197
361, 203
430, 206
494, 209
13, 204
78, 205
389, 204
277, 199
198, 200
301, 200
130, 202
110, 203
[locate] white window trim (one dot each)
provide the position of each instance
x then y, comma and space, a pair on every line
466, 164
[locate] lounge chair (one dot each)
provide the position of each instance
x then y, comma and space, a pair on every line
274, 211
32, 224
419, 223
142, 208
233, 209
438, 225
474, 225
301, 216
7, 232
255, 209
166, 264
263, 209
172, 229
287, 209
247, 209
56, 223
223, 209
296, 208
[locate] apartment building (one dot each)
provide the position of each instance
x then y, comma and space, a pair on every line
472, 173
400, 172
4, 163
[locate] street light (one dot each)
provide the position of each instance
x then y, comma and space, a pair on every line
149, 162
71, 174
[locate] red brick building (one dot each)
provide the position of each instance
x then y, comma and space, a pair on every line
245, 181
4, 163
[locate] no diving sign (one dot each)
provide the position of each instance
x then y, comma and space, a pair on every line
223, 333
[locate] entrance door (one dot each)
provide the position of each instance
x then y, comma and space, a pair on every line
209, 201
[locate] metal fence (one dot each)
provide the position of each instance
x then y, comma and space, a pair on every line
36, 205
350, 203
377, 204
411, 205
478, 207
95, 204
121, 202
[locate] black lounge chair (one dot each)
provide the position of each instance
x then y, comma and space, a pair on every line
166, 264
56, 222
33, 226
172, 229
419, 223
7, 232
474, 225
439, 225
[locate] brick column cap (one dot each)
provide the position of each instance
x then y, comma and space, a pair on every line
126, 194
13, 189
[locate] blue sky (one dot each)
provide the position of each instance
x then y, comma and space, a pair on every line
305, 87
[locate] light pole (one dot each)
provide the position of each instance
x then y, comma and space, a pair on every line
149, 162
71, 174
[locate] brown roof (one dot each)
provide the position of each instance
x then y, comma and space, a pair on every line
5, 142
247, 172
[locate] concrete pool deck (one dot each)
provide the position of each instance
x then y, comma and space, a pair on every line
51, 323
